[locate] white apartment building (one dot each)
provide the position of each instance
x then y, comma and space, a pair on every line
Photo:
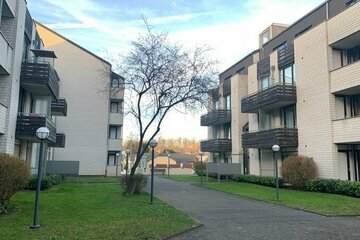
47, 80
299, 90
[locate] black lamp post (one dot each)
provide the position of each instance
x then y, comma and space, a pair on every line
201, 166
42, 134
275, 149
117, 163
127, 151
168, 154
152, 144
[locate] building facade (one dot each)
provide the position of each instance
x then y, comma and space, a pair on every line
38, 80
302, 92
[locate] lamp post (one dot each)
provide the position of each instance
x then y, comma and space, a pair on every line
275, 149
42, 134
152, 144
168, 154
117, 163
127, 151
201, 166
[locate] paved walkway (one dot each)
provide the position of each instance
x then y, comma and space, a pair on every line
226, 217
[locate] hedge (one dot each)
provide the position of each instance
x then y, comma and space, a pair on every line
14, 175
334, 186
47, 181
261, 180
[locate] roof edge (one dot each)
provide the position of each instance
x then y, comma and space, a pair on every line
73, 43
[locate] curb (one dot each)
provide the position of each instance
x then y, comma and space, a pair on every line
185, 231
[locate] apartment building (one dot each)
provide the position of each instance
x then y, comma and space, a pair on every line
41, 73
301, 91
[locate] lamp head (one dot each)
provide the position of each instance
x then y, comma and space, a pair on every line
201, 153
42, 133
275, 148
127, 151
153, 143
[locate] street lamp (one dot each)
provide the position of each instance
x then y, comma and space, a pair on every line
201, 166
275, 149
127, 151
152, 144
117, 163
168, 154
42, 134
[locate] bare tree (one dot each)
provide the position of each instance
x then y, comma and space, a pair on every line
161, 76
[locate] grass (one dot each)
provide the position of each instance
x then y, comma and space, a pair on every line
92, 211
323, 203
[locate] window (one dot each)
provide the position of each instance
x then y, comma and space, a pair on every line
216, 132
264, 82
353, 54
288, 117
115, 107
228, 102
111, 159
115, 83
266, 120
265, 37
216, 105
114, 132
351, 2
287, 75
355, 105
241, 71
227, 130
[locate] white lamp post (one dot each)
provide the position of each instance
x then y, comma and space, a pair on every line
127, 151
168, 155
42, 134
153, 145
201, 166
117, 163
275, 149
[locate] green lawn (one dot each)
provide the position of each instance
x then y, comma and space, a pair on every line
92, 211
329, 204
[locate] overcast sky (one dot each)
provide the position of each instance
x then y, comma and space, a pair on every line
230, 27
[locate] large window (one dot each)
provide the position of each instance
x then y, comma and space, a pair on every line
353, 54
288, 117
287, 75
265, 37
266, 120
264, 82
347, 106
227, 130
114, 132
115, 106
112, 159
228, 102
216, 105
115, 83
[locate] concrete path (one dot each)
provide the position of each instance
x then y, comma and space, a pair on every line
225, 216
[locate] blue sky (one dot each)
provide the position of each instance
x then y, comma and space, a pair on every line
230, 27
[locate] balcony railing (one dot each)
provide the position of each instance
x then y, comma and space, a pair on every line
219, 116
28, 123
286, 55
6, 53
40, 77
216, 145
59, 108
60, 141
284, 137
275, 96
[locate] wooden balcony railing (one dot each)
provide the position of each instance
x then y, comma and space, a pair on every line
60, 141
28, 123
219, 116
216, 145
284, 137
275, 96
59, 108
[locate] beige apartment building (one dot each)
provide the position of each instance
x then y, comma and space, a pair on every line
47, 80
299, 90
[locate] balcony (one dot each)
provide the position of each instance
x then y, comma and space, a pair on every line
347, 130
6, 52
59, 108
115, 144
60, 141
345, 80
219, 116
216, 145
116, 118
284, 137
286, 55
39, 77
275, 96
28, 123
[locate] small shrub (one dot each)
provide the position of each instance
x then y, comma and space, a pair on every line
198, 166
296, 170
260, 180
334, 186
14, 175
139, 181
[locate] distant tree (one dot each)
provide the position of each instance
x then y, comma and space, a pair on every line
161, 76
